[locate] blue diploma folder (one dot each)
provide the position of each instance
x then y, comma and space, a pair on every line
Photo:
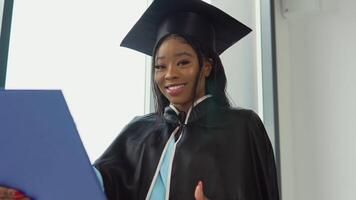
41, 153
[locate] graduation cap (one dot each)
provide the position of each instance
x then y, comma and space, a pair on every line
208, 24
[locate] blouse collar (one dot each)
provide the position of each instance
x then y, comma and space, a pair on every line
173, 115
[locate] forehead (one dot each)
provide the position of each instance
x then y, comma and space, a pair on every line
174, 47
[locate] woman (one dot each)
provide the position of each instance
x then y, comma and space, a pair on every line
195, 146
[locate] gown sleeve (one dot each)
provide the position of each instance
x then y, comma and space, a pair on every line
264, 159
115, 167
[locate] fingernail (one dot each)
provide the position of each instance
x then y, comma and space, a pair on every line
200, 184
18, 195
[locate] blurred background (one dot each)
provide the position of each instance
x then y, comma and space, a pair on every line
296, 70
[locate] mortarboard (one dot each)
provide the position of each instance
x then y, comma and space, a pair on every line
210, 25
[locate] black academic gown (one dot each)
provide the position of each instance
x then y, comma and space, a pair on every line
228, 149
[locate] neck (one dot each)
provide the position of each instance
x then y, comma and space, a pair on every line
185, 107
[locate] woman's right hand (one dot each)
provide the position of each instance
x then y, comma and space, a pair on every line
199, 193
11, 194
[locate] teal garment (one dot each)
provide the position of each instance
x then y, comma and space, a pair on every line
162, 181
100, 178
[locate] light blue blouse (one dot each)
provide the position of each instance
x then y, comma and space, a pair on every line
162, 181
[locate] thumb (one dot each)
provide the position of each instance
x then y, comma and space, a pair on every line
199, 193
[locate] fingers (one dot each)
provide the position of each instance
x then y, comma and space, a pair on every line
199, 192
6, 192
199, 195
11, 194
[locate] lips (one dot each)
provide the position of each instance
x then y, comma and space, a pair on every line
175, 89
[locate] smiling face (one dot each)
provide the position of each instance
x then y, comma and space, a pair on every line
176, 70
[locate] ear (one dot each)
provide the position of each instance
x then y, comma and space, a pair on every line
207, 67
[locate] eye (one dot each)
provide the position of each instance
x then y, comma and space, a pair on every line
159, 67
183, 62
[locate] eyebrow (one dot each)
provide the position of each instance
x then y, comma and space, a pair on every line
177, 55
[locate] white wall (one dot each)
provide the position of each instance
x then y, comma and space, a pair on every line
243, 63
240, 61
316, 78
75, 46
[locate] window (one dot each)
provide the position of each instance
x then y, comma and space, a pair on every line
75, 46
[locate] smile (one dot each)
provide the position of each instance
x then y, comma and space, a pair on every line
175, 89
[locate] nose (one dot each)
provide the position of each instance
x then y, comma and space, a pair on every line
172, 73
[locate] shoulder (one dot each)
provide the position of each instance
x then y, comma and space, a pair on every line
252, 122
240, 119
238, 113
134, 132
142, 124
144, 121
147, 119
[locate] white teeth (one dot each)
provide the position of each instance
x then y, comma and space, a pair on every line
175, 87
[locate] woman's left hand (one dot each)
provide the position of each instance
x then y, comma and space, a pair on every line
199, 193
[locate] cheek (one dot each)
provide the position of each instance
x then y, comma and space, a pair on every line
158, 79
192, 74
